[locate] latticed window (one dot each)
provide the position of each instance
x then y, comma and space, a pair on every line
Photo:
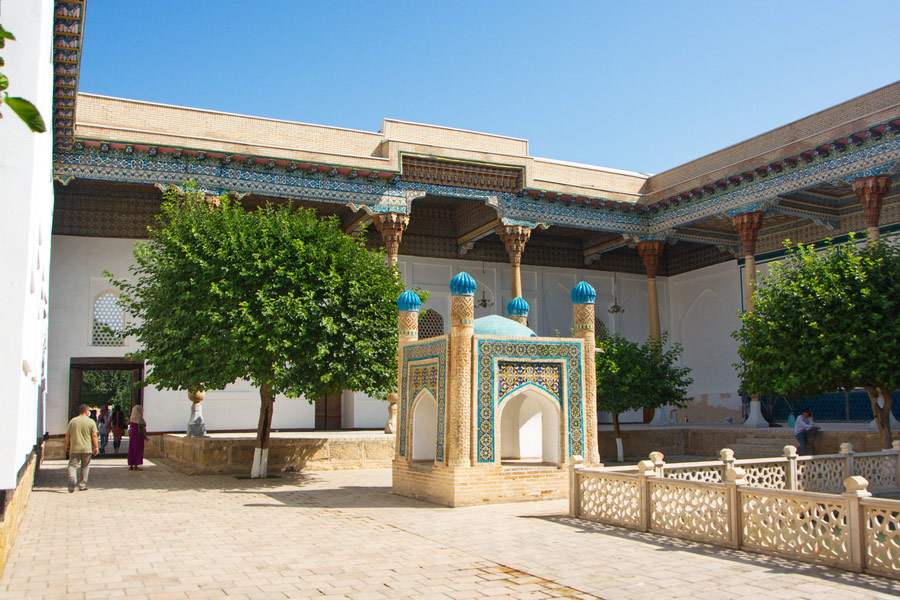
108, 321
431, 324
600, 331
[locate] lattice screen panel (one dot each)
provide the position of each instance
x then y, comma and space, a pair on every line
108, 321
431, 324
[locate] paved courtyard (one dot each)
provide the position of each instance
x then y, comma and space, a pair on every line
342, 534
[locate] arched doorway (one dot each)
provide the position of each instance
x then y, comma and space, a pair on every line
424, 426
530, 426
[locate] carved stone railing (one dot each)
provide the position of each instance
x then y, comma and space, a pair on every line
822, 473
756, 505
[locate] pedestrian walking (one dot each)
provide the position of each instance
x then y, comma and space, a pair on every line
137, 433
117, 425
103, 427
81, 444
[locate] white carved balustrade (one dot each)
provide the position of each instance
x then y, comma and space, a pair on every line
815, 509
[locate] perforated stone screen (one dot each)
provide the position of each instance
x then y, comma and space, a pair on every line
431, 324
108, 321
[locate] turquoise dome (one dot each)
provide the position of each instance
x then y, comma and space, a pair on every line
517, 307
501, 326
409, 301
462, 285
583, 293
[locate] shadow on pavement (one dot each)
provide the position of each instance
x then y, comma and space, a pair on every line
772, 563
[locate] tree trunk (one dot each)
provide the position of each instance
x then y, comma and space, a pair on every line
260, 466
882, 413
620, 452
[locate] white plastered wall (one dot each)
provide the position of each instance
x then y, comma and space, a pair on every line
77, 279
26, 205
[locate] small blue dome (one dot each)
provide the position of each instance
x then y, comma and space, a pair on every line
517, 307
583, 293
462, 285
409, 301
501, 326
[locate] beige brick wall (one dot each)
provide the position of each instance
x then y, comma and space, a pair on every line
467, 486
822, 127
15, 512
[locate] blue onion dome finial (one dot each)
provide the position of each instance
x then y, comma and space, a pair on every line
583, 293
462, 285
517, 307
409, 301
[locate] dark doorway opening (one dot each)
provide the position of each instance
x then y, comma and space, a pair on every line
106, 382
328, 412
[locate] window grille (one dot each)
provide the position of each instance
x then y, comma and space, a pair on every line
600, 331
431, 324
108, 321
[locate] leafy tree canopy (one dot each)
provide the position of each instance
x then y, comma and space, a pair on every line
631, 376
826, 320
276, 295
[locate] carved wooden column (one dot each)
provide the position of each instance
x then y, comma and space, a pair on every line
748, 225
514, 238
391, 227
871, 191
650, 252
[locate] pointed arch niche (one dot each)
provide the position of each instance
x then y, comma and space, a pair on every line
424, 426
530, 426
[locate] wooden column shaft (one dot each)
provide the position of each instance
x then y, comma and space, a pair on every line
514, 239
650, 252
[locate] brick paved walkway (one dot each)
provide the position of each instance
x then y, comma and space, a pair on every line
342, 534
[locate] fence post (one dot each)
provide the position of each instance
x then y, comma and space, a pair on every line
646, 469
895, 446
849, 467
727, 456
734, 477
658, 462
790, 453
856, 487
576, 464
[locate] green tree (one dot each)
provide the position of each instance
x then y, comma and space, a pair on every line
827, 320
102, 387
24, 109
277, 296
632, 376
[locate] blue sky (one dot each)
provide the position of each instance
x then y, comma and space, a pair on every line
635, 85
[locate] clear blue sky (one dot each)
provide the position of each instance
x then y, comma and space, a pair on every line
635, 85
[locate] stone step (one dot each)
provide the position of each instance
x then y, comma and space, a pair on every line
768, 441
756, 451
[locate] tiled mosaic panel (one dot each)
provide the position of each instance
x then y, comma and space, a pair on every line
513, 375
524, 352
431, 372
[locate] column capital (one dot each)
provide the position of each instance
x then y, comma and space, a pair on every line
650, 251
871, 191
514, 239
748, 225
391, 226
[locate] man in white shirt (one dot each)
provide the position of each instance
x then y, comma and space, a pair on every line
804, 429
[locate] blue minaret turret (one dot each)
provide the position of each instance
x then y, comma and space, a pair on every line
583, 293
517, 309
409, 301
462, 285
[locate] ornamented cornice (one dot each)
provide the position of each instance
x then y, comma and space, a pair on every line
68, 25
382, 191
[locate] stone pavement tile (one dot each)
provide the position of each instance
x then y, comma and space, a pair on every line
343, 534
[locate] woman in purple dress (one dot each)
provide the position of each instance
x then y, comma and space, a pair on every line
137, 431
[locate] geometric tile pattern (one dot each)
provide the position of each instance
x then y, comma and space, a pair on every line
424, 365
513, 375
521, 362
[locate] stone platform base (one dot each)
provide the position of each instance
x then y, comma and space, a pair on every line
319, 451
468, 486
